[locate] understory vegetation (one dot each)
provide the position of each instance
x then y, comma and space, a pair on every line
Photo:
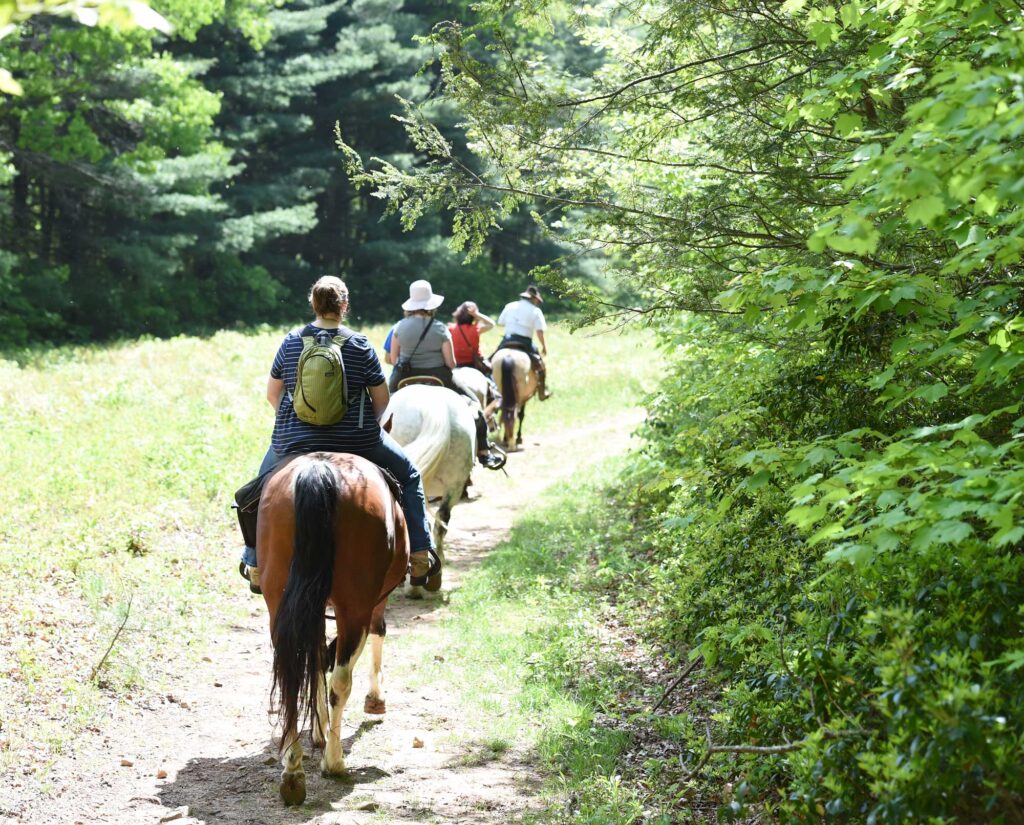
820, 204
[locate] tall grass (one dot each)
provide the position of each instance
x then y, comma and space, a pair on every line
117, 466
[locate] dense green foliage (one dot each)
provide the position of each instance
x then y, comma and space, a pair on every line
822, 203
157, 183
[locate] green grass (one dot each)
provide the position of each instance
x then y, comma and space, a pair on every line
118, 464
540, 665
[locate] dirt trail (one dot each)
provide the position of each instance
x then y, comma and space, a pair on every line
211, 737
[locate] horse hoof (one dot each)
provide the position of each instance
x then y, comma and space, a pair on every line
327, 771
375, 706
293, 788
413, 592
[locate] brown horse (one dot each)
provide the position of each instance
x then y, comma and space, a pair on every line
517, 383
330, 532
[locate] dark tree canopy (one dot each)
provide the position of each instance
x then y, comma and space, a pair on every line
159, 185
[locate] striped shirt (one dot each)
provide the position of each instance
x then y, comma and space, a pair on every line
362, 370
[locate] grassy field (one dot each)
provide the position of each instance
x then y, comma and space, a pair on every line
118, 464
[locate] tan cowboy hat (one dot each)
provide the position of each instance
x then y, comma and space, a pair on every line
421, 296
532, 292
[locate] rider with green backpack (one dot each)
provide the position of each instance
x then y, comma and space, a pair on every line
328, 389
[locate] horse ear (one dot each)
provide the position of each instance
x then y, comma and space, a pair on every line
386, 426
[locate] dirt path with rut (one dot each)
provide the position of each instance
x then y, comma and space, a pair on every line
203, 751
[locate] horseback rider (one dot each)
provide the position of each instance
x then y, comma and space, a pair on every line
521, 319
422, 346
468, 324
358, 432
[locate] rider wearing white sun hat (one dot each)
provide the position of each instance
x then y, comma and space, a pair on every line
422, 346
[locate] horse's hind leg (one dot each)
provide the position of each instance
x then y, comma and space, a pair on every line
374, 702
339, 689
293, 778
322, 718
519, 432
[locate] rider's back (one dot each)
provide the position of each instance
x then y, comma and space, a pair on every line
362, 370
425, 353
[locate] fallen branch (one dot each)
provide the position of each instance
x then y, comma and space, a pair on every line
787, 747
677, 682
124, 621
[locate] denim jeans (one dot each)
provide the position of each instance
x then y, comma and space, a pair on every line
389, 455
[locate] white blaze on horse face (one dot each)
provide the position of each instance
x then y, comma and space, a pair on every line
376, 677
340, 688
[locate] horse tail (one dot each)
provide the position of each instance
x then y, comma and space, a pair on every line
508, 388
428, 449
298, 630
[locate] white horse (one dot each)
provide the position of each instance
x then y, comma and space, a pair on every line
437, 429
517, 383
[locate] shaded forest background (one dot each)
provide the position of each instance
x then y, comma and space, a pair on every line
158, 185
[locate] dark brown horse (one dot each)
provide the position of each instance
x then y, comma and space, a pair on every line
330, 532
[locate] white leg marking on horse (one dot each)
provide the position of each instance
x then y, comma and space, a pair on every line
292, 759
376, 676
340, 688
322, 719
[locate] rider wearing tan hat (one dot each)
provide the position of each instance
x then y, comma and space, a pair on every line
522, 319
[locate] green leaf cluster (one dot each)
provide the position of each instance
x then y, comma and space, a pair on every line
819, 206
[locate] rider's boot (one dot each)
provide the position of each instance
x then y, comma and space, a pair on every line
419, 566
425, 569
251, 575
484, 450
543, 393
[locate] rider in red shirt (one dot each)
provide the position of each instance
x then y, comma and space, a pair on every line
469, 323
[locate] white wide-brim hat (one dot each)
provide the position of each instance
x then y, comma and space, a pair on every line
421, 296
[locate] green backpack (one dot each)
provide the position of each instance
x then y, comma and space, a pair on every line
321, 391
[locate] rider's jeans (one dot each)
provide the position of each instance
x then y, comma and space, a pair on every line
389, 455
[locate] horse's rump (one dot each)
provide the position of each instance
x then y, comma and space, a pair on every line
330, 530
423, 420
517, 382
367, 519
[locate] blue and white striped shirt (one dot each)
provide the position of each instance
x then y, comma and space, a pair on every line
362, 370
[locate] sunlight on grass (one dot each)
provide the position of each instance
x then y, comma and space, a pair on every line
119, 465
527, 648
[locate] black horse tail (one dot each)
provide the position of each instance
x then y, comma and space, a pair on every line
508, 392
298, 630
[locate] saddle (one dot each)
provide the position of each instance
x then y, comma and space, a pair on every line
428, 380
519, 345
247, 497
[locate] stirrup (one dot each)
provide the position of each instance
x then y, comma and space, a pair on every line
433, 570
494, 459
243, 571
